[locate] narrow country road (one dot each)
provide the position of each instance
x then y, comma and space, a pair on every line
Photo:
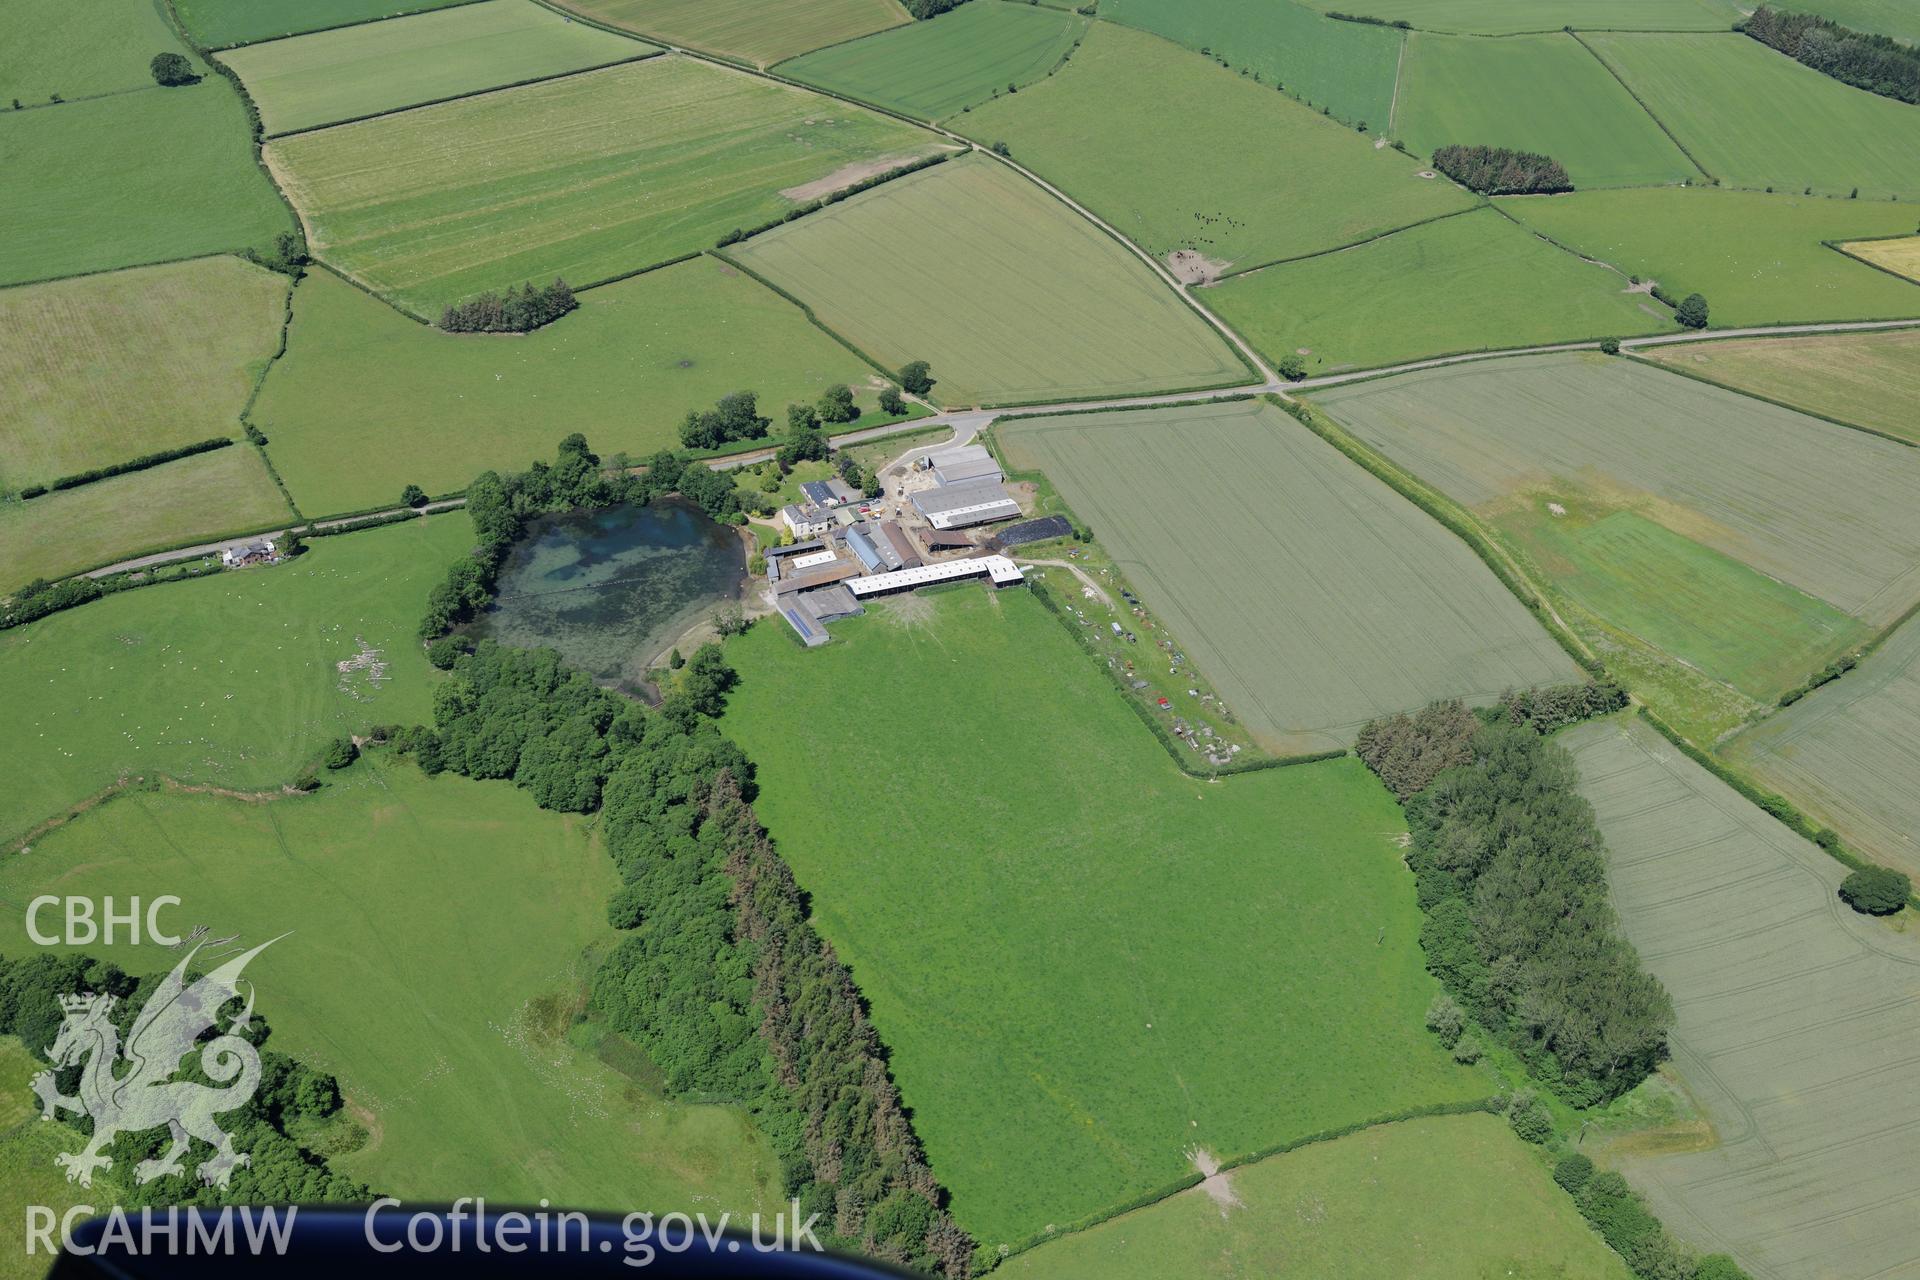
212, 548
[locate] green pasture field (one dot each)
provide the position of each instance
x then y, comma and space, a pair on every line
1444, 1198
229, 681
1794, 1034
1900, 256
1345, 67
584, 177
204, 496
1505, 17
1757, 258
1752, 116
220, 23
1704, 607
379, 66
1894, 18
1475, 282
1824, 508
361, 381
1870, 379
28, 1174
1342, 601
1091, 131
1083, 963
1735, 481
103, 369
1849, 752
1533, 93
1072, 313
748, 30
131, 179
456, 1053
959, 59
77, 51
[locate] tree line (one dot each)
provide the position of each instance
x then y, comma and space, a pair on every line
292, 1097
1875, 63
140, 463
1501, 171
719, 974
518, 310
1512, 878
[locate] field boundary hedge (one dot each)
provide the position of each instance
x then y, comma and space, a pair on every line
806, 311
1455, 520
1228, 397
338, 26
1159, 731
1767, 399
1493, 1105
1229, 388
144, 462
1632, 93
1353, 244
653, 52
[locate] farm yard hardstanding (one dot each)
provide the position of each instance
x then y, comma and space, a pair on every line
1140, 638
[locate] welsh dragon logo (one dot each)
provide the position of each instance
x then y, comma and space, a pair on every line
127, 1089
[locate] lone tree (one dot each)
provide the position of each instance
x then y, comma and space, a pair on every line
1292, 367
340, 753
890, 402
172, 69
915, 377
1692, 311
414, 496
1876, 891
836, 405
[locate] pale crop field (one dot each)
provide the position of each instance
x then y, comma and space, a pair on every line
1472, 283
1754, 117
1313, 595
1091, 131
957, 59
102, 369
1901, 256
1869, 379
1504, 17
359, 381
1533, 93
1795, 1031
1757, 258
1819, 506
1013, 296
379, 66
208, 495
584, 177
1849, 752
758, 31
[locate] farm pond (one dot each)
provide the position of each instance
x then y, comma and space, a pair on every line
611, 589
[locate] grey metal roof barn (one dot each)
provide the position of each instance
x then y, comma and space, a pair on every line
954, 506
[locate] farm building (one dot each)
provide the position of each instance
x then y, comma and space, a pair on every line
815, 576
998, 570
780, 560
941, 540
874, 550
806, 522
968, 462
256, 552
896, 537
956, 506
828, 494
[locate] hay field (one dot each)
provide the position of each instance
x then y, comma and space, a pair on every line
753, 31
961, 58
1346, 67
1310, 593
219, 23
1013, 297
1474, 282
1533, 93
584, 177
1119, 963
1901, 256
230, 680
1870, 379
454, 1049
205, 496
1092, 132
1815, 505
130, 179
1504, 17
104, 368
1795, 1033
379, 66
1754, 117
1758, 258
1849, 752
1445, 1198
361, 382
55, 46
